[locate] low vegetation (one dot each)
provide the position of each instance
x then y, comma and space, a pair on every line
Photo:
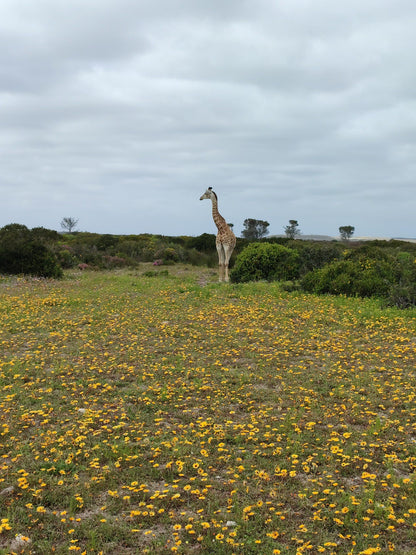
45, 253
381, 269
266, 261
153, 410
24, 251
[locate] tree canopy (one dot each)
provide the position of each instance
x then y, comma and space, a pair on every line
292, 230
346, 232
254, 229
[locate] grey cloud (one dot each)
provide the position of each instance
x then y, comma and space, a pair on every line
289, 110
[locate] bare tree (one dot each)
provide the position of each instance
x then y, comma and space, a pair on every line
69, 224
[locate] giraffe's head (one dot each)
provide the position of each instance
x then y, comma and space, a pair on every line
209, 193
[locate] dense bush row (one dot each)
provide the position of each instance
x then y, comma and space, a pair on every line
282, 260
385, 269
24, 251
46, 253
387, 273
107, 251
378, 269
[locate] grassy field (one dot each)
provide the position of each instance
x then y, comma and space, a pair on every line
169, 413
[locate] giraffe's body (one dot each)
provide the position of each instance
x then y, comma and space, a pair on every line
226, 240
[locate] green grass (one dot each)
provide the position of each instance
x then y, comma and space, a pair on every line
168, 413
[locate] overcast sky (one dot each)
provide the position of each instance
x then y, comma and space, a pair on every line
121, 112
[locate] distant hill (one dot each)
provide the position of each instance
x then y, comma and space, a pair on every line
311, 237
403, 239
330, 238
318, 238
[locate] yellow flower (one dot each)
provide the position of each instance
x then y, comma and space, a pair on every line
5, 525
274, 534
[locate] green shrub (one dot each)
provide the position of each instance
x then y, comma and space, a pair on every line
370, 251
402, 293
156, 273
202, 243
170, 253
265, 261
66, 257
128, 247
362, 277
315, 255
197, 258
106, 241
46, 236
23, 252
14, 233
110, 262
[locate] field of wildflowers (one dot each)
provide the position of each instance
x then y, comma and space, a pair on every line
158, 414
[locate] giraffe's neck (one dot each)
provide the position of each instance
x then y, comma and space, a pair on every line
218, 219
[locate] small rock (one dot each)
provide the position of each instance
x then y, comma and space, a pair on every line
230, 523
7, 491
20, 542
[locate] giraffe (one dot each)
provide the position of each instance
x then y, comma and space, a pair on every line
225, 237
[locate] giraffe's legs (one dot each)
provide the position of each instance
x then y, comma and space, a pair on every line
221, 262
226, 276
228, 249
224, 255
